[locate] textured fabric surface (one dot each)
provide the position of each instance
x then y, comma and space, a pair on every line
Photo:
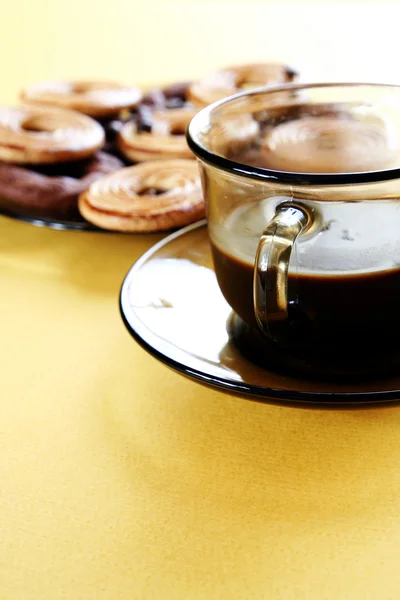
121, 479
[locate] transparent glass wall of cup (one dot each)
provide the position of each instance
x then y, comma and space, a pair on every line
302, 185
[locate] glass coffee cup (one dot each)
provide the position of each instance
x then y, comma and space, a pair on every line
302, 185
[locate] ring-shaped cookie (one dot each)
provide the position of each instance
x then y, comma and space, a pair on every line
151, 196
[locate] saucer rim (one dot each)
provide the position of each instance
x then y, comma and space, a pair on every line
253, 392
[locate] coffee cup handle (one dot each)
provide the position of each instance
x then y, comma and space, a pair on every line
271, 267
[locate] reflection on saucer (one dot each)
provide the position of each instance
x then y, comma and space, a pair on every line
162, 295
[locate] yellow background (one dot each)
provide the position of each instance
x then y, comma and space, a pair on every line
143, 41
118, 478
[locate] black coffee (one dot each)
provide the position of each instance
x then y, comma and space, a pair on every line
340, 318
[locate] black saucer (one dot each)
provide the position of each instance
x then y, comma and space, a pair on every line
171, 303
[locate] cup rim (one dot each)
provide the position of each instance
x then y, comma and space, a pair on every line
272, 175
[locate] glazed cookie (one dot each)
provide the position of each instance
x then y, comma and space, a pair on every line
151, 196
166, 138
31, 135
226, 82
94, 98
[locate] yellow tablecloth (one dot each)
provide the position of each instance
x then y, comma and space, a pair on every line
118, 477
121, 479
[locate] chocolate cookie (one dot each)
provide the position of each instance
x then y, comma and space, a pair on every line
51, 191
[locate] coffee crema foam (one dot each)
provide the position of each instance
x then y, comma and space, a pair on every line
354, 237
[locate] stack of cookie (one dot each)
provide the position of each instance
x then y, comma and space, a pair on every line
106, 153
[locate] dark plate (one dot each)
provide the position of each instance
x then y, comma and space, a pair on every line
171, 304
51, 223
